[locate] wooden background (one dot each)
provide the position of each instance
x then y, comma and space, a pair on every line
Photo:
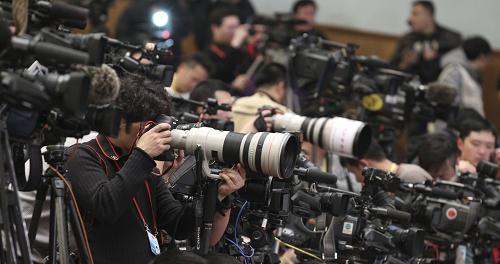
382, 45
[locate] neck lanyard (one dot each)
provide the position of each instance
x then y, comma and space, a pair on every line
138, 208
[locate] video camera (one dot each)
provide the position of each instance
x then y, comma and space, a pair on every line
368, 233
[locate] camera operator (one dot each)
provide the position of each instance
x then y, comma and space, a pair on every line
305, 11
226, 51
419, 51
375, 157
476, 142
270, 91
123, 199
438, 155
462, 68
191, 71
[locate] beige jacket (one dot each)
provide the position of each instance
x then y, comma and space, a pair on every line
245, 109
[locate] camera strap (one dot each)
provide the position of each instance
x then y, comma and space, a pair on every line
139, 211
152, 237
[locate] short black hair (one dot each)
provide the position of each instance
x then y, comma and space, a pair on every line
436, 149
427, 5
200, 59
175, 256
301, 3
141, 99
470, 125
474, 47
375, 152
270, 74
206, 89
218, 14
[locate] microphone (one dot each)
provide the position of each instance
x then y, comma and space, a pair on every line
391, 213
432, 191
441, 94
315, 175
104, 84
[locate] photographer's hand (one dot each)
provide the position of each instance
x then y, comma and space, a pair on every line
234, 179
168, 167
156, 140
466, 167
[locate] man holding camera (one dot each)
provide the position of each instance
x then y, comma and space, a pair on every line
122, 196
420, 50
476, 142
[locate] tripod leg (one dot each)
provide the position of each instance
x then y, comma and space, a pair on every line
10, 253
61, 224
41, 194
52, 232
10, 196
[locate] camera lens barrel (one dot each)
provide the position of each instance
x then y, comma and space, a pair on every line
271, 154
345, 137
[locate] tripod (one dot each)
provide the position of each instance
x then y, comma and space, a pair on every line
61, 210
13, 238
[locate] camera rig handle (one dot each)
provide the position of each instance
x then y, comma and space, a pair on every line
205, 206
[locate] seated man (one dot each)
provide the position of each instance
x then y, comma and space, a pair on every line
375, 157
191, 71
438, 155
219, 91
124, 202
476, 142
270, 91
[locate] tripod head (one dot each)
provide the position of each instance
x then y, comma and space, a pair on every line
54, 155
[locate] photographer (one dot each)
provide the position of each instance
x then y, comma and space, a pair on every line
462, 68
226, 52
191, 71
124, 201
215, 89
438, 154
375, 157
271, 89
476, 142
419, 51
305, 11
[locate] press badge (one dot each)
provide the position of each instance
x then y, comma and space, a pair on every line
153, 243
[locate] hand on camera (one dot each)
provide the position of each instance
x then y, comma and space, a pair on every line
410, 58
240, 82
233, 180
168, 167
240, 36
466, 167
156, 140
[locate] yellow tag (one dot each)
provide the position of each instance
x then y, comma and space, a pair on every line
372, 102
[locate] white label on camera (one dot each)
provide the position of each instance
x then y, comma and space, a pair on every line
348, 227
37, 69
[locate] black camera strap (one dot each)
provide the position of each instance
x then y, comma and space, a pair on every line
118, 167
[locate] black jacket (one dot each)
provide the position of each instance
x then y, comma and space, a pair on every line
104, 195
428, 71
